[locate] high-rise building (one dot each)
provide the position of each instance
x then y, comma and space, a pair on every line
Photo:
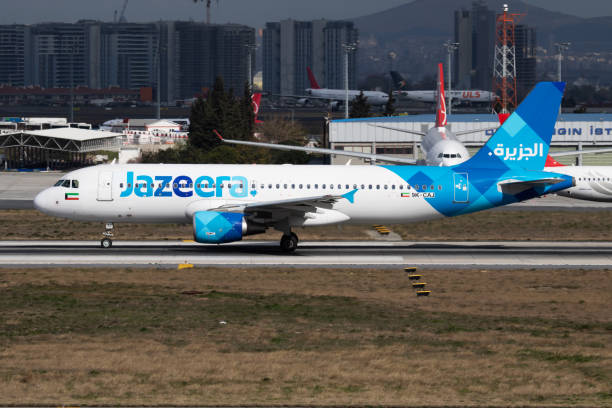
289, 47
475, 33
525, 44
129, 55
232, 55
271, 58
61, 54
15, 64
337, 33
462, 69
203, 52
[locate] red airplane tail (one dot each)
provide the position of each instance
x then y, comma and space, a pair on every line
256, 99
441, 110
550, 162
312, 79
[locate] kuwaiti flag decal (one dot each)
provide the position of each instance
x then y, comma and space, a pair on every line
71, 196
405, 195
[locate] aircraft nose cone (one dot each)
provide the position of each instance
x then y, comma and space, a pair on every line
41, 201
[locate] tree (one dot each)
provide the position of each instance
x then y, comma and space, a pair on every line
206, 116
389, 106
360, 108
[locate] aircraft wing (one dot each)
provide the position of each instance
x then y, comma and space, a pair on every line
315, 210
304, 204
373, 157
467, 132
412, 132
577, 152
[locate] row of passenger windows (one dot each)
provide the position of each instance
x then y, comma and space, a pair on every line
594, 178
67, 183
294, 186
449, 156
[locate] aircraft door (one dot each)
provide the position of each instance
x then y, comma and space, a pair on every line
105, 186
461, 188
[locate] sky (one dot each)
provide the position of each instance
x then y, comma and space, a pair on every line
254, 13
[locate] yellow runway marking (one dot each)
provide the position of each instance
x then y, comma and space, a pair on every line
185, 266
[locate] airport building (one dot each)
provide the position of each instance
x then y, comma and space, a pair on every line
51, 143
290, 46
572, 132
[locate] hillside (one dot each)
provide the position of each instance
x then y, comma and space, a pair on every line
416, 31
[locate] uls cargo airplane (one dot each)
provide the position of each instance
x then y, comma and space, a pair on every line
226, 202
336, 97
475, 95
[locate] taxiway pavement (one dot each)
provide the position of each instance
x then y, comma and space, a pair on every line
508, 254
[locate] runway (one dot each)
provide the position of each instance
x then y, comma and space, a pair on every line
378, 254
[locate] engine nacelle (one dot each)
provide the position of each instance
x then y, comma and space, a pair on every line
334, 105
214, 227
302, 101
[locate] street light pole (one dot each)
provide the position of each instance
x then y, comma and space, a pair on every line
348, 48
450, 48
562, 46
250, 48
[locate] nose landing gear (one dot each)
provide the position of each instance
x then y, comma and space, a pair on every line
107, 242
289, 242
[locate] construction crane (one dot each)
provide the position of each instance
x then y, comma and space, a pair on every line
122, 15
208, 4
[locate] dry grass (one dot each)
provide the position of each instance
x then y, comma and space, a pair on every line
517, 225
305, 336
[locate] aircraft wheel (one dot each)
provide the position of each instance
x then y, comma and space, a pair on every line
106, 243
289, 243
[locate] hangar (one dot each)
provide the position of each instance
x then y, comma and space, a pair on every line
572, 132
52, 148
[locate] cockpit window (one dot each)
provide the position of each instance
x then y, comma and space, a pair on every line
59, 183
66, 183
75, 183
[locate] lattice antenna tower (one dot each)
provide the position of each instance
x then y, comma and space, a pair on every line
504, 65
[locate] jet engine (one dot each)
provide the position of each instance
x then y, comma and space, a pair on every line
214, 227
334, 105
302, 102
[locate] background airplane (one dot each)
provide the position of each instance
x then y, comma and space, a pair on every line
226, 202
439, 144
336, 97
475, 95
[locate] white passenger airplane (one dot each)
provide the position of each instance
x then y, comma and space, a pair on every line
474, 95
336, 97
226, 202
593, 183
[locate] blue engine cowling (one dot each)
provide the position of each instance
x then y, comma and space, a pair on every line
213, 227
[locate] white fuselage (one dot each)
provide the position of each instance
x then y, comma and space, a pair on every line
593, 183
376, 98
102, 191
441, 148
462, 96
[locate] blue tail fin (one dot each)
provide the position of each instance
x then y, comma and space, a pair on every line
522, 142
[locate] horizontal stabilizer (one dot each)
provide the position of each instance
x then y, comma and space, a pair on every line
514, 187
577, 152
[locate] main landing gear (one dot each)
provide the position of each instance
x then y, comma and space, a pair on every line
107, 242
289, 242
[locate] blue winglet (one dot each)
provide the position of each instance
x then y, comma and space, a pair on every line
350, 196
